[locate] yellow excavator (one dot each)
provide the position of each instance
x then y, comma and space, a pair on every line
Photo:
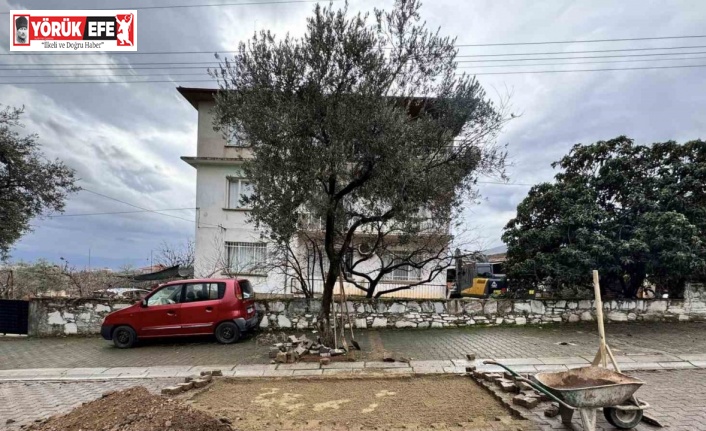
478, 278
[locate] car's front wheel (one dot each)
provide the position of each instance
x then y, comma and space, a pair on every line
227, 333
124, 337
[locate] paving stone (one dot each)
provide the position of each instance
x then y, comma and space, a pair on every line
525, 401
344, 365
299, 366
428, 370
278, 373
564, 360
674, 339
200, 383
172, 390
676, 365
307, 372
374, 364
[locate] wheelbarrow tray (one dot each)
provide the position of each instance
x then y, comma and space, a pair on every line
590, 387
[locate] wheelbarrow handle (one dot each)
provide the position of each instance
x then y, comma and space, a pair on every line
531, 383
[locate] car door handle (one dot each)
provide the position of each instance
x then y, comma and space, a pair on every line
209, 309
171, 313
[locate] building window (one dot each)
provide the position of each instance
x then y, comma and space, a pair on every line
246, 257
237, 189
401, 273
231, 138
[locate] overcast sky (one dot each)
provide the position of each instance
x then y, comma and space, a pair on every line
125, 140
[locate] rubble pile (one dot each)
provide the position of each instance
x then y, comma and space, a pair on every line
296, 348
522, 393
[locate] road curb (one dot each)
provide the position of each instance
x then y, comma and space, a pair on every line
456, 366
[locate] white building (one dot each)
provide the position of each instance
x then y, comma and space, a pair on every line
226, 244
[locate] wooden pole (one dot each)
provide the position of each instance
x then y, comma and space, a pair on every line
601, 355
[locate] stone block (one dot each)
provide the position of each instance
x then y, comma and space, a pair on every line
508, 386
522, 307
617, 316
490, 307
186, 386
70, 329
504, 307
171, 390
413, 306
585, 304
217, 373
551, 411
586, 316
54, 318
439, 307
525, 401
283, 322
397, 308
521, 321
361, 323
473, 307
657, 306
537, 307
379, 322
281, 357
200, 383
276, 307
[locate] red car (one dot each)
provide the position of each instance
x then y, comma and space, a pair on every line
224, 308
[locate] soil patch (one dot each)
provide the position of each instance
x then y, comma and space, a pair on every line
354, 402
133, 409
575, 382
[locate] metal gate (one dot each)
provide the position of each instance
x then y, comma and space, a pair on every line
14, 317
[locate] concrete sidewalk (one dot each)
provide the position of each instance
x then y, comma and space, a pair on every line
453, 366
560, 341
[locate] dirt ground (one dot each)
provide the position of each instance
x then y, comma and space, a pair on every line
133, 409
367, 403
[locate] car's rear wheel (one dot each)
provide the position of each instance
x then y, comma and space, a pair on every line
124, 337
227, 333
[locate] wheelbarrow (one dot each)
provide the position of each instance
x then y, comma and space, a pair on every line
587, 389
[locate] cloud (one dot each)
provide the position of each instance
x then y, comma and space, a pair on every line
125, 140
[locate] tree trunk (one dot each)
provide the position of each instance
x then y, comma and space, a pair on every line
324, 319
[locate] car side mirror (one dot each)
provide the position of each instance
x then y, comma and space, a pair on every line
143, 303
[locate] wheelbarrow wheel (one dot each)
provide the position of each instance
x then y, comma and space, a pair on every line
623, 419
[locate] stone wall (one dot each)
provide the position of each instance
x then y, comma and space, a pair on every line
469, 312
69, 316
84, 316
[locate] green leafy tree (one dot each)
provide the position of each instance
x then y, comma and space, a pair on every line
634, 212
356, 123
30, 185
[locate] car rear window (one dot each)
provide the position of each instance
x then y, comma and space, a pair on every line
246, 288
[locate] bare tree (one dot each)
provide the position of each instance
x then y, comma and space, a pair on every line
172, 254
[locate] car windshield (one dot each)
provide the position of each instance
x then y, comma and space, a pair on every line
166, 295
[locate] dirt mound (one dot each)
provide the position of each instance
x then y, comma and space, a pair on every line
133, 409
